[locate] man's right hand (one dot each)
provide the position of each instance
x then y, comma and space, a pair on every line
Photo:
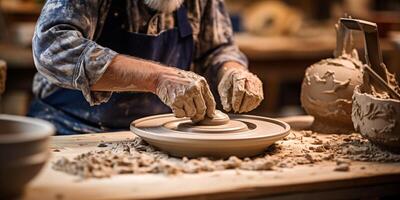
186, 93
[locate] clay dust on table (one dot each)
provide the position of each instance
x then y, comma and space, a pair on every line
298, 148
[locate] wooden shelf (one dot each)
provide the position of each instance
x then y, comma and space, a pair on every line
293, 47
16, 56
20, 7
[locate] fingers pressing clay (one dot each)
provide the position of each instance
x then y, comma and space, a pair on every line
247, 103
200, 106
240, 90
209, 100
178, 112
177, 108
186, 93
254, 94
225, 91
238, 94
189, 107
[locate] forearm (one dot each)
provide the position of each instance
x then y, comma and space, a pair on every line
127, 73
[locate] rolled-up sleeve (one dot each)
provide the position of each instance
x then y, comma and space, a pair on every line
215, 44
63, 48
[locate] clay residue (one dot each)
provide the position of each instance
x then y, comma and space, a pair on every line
298, 148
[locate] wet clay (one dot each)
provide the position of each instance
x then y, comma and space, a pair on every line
221, 123
327, 91
219, 118
298, 148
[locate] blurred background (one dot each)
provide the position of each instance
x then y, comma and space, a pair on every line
281, 39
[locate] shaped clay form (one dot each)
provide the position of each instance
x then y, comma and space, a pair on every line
220, 118
24, 149
377, 119
241, 135
328, 85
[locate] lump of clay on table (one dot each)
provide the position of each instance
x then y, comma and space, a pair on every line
328, 85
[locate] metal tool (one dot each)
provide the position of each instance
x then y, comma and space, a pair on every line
373, 55
344, 40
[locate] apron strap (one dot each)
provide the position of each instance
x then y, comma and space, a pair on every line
183, 23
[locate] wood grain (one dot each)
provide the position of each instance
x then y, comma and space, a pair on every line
311, 182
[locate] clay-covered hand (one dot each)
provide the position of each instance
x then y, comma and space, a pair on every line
239, 89
186, 93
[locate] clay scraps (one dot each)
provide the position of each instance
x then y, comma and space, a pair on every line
298, 148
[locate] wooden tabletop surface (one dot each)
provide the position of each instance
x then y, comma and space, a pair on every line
311, 182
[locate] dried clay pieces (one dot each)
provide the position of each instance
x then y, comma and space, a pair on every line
298, 148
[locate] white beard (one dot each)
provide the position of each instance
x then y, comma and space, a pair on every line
165, 6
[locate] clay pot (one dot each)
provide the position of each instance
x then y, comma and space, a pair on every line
327, 91
24, 149
377, 119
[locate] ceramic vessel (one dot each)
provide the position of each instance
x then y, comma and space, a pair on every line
24, 149
377, 119
327, 90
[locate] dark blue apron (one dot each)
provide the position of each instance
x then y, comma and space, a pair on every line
71, 113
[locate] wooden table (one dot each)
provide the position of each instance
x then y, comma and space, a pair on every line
301, 182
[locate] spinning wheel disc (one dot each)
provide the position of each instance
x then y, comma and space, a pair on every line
242, 135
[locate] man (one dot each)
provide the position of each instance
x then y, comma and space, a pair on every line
104, 63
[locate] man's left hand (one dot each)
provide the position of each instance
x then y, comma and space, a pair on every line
239, 89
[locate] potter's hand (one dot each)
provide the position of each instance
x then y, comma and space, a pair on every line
186, 93
239, 89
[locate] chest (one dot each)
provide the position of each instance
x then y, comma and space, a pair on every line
136, 17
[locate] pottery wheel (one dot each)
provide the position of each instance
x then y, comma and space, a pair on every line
222, 136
